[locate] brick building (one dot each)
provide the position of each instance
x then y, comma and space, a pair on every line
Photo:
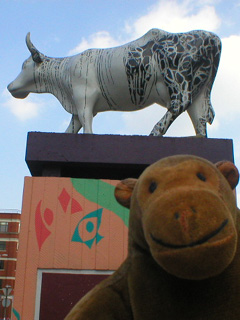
9, 241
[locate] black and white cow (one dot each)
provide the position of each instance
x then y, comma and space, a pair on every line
175, 70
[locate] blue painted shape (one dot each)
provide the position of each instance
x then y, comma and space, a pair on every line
89, 227
17, 315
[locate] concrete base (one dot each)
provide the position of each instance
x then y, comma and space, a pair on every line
112, 156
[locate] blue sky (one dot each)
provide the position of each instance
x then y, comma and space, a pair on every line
60, 28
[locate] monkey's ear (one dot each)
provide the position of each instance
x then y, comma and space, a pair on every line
123, 191
230, 172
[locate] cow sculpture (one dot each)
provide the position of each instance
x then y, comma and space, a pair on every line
175, 70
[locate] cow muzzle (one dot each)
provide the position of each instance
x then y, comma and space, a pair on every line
16, 92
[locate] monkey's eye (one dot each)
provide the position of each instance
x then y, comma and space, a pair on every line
152, 187
201, 176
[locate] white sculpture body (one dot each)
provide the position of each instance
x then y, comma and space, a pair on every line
176, 71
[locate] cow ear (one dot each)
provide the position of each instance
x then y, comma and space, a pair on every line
123, 191
36, 55
230, 172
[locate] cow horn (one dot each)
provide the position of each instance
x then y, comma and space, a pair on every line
36, 55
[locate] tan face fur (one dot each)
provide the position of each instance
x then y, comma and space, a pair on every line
188, 214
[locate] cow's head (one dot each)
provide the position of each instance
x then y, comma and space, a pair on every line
183, 212
25, 82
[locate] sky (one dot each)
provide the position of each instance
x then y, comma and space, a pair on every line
61, 28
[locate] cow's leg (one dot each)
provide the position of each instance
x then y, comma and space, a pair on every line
74, 125
201, 112
198, 120
161, 126
86, 117
177, 107
85, 107
89, 120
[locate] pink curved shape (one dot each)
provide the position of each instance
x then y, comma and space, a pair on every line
75, 206
48, 216
42, 233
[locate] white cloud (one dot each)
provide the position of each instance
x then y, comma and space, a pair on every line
176, 16
101, 39
227, 84
22, 109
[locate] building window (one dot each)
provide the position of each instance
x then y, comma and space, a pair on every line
2, 245
1, 264
3, 226
1, 283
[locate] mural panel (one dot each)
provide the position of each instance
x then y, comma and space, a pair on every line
70, 224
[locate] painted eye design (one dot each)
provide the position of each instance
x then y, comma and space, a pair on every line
152, 187
201, 176
87, 229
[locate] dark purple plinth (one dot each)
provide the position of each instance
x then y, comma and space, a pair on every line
112, 156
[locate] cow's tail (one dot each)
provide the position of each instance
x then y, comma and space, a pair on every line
215, 59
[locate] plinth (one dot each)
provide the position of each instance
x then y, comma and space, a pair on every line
112, 156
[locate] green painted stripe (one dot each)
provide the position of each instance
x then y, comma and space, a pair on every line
101, 193
17, 315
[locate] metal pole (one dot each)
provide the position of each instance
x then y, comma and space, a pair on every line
6, 299
5, 308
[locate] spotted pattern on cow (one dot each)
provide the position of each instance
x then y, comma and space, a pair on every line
187, 62
139, 70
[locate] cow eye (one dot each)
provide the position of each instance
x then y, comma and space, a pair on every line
152, 187
201, 176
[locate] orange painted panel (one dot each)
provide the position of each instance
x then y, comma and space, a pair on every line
23, 242
67, 224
